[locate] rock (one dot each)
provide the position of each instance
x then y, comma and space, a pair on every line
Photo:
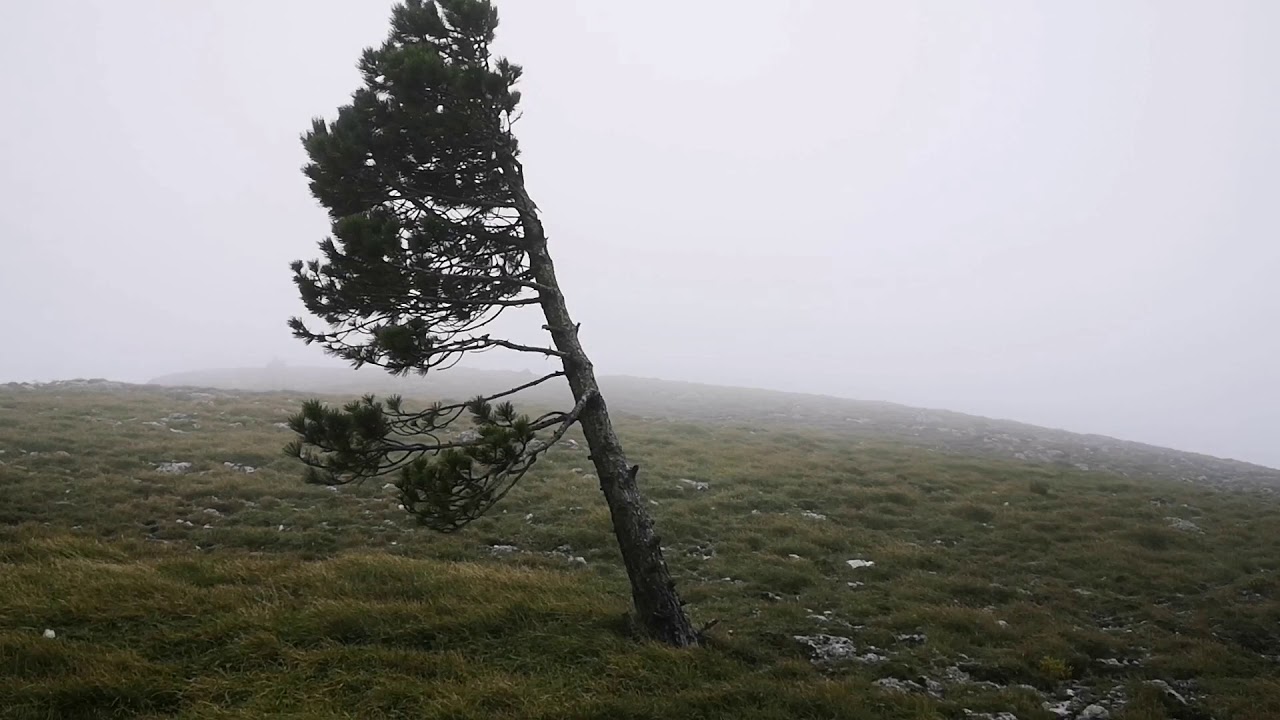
240, 468
1003, 623
813, 515
467, 436
176, 430
503, 549
911, 638
1059, 709
1178, 523
971, 715
1168, 691
793, 556
576, 471
855, 585
212, 511
694, 484
827, 649
578, 560
173, 468
528, 517
282, 426
50, 634
858, 564
1094, 712
570, 443
898, 686
61, 454
771, 596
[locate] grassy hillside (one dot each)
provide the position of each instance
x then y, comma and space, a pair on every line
998, 586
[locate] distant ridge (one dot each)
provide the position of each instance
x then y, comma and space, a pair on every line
940, 430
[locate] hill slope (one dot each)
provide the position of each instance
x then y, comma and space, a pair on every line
183, 571
939, 430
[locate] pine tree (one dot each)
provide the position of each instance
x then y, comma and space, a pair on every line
433, 236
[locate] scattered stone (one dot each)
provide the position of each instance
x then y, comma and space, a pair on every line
858, 564
240, 468
173, 468
176, 430
570, 443
855, 585
911, 638
702, 551
503, 549
528, 517
50, 634
813, 515
1178, 523
971, 715
1168, 691
467, 436
1094, 712
576, 471
212, 511
898, 686
578, 560
793, 556
282, 426
827, 649
61, 454
771, 596
698, 486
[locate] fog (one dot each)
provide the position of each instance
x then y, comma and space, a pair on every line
1060, 213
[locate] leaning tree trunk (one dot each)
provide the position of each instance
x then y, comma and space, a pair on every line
658, 607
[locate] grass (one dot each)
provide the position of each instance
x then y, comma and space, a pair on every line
223, 594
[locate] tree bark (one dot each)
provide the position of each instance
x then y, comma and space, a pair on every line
658, 607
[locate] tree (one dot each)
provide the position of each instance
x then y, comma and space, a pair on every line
433, 236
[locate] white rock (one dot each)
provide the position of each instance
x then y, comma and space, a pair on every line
813, 515
859, 564
173, 468
1184, 525
1094, 712
699, 486
50, 634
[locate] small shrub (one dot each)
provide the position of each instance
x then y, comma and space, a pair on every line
1055, 668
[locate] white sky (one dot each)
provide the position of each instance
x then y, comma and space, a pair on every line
1062, 213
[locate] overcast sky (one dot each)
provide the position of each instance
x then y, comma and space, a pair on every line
1061, 213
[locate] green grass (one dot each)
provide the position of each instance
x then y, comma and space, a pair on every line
300, 602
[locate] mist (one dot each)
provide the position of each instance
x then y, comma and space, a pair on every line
1060, 214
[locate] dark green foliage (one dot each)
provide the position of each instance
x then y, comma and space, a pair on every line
420, 176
